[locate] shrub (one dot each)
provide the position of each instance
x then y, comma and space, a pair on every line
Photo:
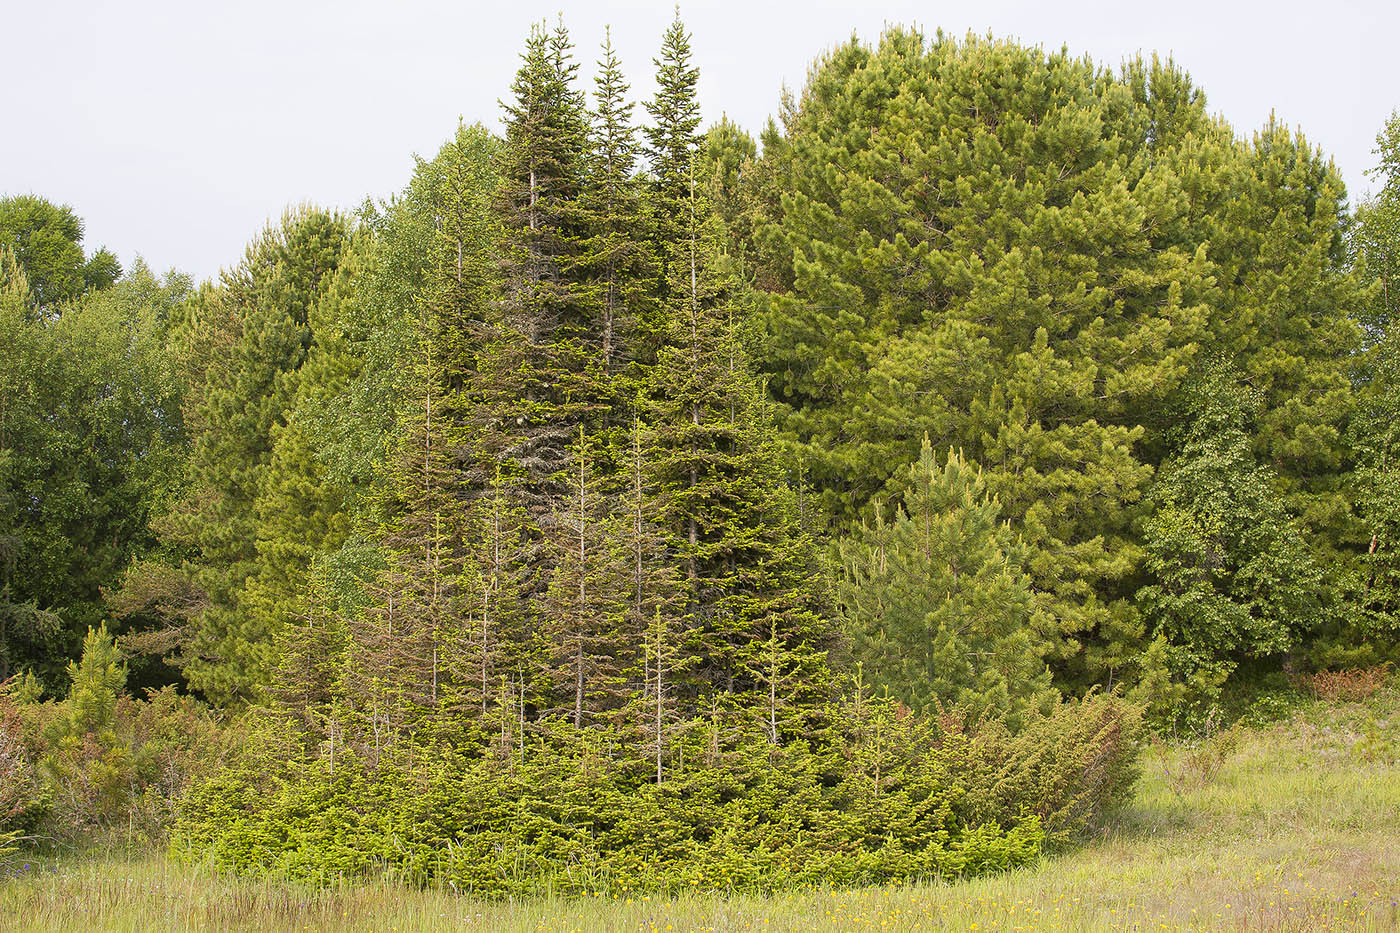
1067, 767
1353, 684
100, 763
871, 794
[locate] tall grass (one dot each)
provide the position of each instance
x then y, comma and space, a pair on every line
1292, 826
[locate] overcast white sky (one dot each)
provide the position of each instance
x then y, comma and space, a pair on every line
177, 128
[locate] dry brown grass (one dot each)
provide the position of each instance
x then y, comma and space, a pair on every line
1353, 684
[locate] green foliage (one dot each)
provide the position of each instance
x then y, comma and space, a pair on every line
1234, 578
90, 438
100, 764
1027, 269
877, 795
1069, 764
269, 299
936, 603
97, 679
47, 239
1369, 636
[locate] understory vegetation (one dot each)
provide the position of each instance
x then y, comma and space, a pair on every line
1284, 824
623, 510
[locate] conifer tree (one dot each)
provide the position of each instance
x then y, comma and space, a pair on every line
310, 654
587, 599
937, 604
543, 365
429, 641
302, 512
1033, 279
617, 260
98, 678
271, 295
672, 143
743, 562
727, 157
397, 667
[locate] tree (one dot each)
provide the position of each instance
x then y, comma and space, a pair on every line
618, 263
745, 565
47, 240
543, 361
587, 598
726, 158
229, 654
938, 606
1370, 636
1030, 275
1232, 578
97, 680
672, 143
90, 445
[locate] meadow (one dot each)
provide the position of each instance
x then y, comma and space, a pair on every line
1287, 825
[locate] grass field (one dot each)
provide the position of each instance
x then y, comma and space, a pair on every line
1290, 826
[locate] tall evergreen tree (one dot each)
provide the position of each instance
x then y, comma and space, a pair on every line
1032, 276
587, 599
672, 143
744, 565
618, 262
542, 368
271, 294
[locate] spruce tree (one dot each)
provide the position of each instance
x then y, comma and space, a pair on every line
618, 261
672, 143
542, 369
743, 562
587, 599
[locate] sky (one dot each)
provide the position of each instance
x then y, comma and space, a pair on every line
179, 128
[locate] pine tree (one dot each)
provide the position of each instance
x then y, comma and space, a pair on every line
98, 678
302, 511
1032, 279
271, 295
937, 605
1369, 636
